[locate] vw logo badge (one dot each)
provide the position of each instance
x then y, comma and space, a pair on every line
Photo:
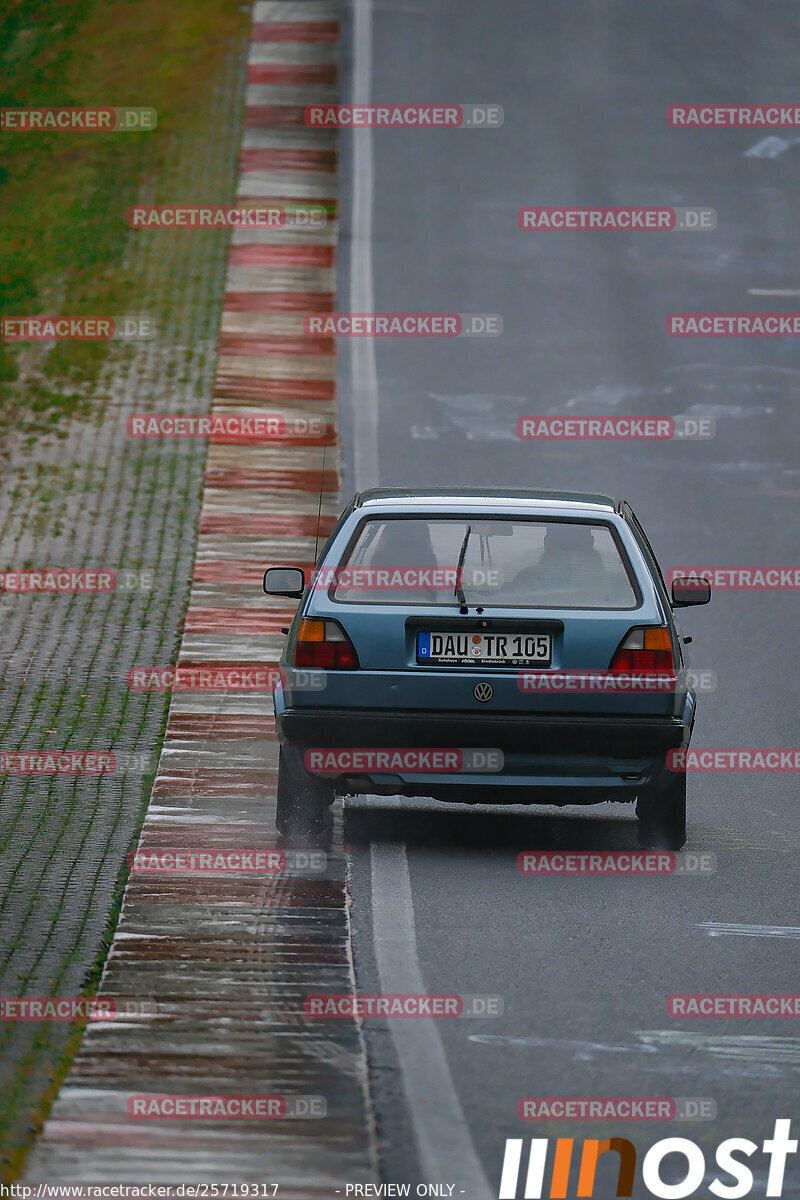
483, 692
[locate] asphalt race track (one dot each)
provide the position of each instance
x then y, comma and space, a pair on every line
429, 224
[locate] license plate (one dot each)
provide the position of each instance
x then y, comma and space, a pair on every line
494, 649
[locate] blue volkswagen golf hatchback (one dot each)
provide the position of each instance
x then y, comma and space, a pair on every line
485, 646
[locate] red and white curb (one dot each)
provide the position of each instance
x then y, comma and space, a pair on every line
226, 959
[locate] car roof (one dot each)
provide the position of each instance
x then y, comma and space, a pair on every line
494, 499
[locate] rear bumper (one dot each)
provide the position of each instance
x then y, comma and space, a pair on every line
616, 737
553, 753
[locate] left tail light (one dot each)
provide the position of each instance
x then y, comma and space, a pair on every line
324, 644
645, 651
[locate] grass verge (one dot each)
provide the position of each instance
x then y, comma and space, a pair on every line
64, 195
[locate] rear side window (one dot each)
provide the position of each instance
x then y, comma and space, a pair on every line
504, 563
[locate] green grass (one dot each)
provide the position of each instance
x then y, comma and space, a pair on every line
64, 196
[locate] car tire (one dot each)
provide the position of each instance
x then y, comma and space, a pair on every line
302, 802
661, 811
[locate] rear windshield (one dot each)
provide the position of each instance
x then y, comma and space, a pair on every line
504, 563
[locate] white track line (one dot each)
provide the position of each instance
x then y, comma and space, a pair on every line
442, 1135
443, 1139
773, 292
363, 397
732, 929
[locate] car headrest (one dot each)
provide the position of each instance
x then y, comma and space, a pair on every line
569, 537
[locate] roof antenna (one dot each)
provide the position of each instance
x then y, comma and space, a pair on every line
321, 482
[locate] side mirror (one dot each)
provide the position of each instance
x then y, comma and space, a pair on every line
686, 592
284, 581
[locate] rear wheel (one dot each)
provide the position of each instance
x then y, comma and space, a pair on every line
661, 810
302, 801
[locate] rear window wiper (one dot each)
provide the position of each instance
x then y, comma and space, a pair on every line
458, 590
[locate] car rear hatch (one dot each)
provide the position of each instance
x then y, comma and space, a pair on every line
419, 657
